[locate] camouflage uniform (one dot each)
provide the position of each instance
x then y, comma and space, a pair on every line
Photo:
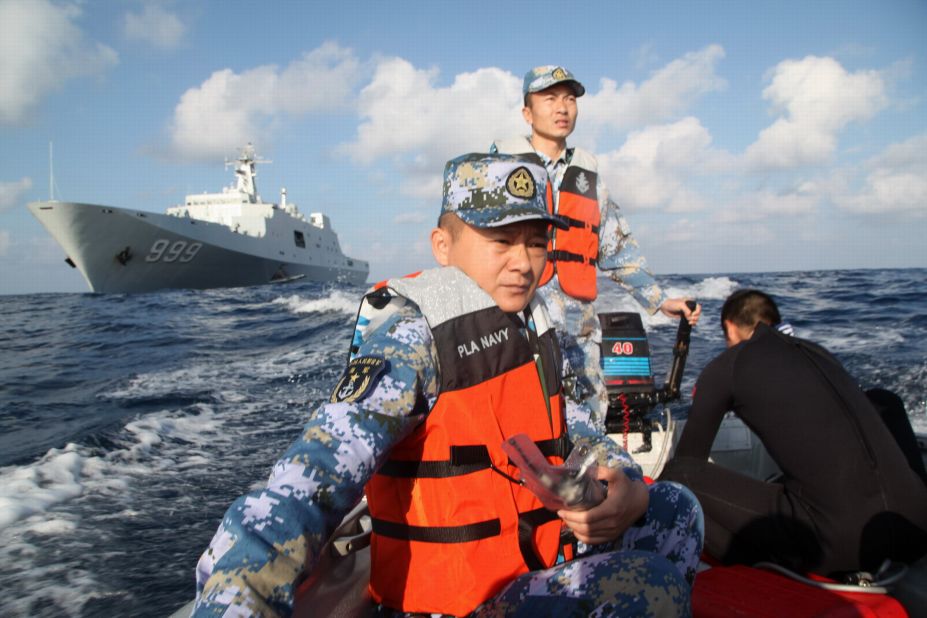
619, 254
270, 536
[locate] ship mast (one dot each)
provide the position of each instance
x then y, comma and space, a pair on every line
51, 172
246, 173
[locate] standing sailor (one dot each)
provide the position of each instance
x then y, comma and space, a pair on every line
598, 237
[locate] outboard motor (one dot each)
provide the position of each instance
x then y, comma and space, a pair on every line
632, 393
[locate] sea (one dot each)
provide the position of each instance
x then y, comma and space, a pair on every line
128, 423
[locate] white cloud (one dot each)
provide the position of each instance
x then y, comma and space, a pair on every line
667, 93
416, 124
40, 48
896, 181
391, 259
404, 112
645, 56
155, 26
231, 109
425, 180
911, 153
650, 169
4, 242
750, 235
816, 98
682, 231
414, 217
769, 204
12, 192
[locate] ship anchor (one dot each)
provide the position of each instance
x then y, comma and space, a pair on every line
124, 256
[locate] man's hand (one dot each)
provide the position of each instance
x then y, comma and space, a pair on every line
625, 503
676, 307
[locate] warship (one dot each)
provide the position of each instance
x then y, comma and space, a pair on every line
213, 240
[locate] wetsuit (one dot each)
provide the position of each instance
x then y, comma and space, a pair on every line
848, 498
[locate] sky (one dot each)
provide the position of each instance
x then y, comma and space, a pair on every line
736, 136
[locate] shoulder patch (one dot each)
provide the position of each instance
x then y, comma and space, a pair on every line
582, 183
358, 379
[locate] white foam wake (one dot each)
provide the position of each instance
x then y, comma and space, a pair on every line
613, 298
337, 301
148, 445
27, 490
42, 500
710, 288
223, 382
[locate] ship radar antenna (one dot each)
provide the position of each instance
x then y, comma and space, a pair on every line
246, 173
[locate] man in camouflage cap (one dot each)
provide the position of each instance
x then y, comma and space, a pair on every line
599, 237
491, 199
443, 367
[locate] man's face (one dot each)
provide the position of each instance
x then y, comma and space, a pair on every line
506, 261
552, 112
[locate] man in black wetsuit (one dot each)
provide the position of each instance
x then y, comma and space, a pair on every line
848, 498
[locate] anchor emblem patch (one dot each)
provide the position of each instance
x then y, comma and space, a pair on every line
358, 379
582, 183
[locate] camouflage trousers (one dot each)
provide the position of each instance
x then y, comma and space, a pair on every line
648, 572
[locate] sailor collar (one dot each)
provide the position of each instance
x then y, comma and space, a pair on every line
565, 157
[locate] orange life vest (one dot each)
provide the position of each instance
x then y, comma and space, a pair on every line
572, 253
451, 528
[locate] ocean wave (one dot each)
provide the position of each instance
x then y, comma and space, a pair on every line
228, 381
145, 445
160, 421
81, 497
906, 380
710, 288
850, 337
614, 298
32, 489
337, 301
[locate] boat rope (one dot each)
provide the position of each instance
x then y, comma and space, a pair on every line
626, 416
867, 582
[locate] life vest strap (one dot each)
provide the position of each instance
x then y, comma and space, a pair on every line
465, 459
437, 469
559, 255
438, 534
578, 223
555, 447
527, 524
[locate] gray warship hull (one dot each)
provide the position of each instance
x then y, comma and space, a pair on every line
119, 250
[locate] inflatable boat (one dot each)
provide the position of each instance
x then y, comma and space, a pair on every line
337, 587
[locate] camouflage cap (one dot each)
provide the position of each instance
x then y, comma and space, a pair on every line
492, 190
540, 78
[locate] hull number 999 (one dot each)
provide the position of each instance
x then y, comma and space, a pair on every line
164, 250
